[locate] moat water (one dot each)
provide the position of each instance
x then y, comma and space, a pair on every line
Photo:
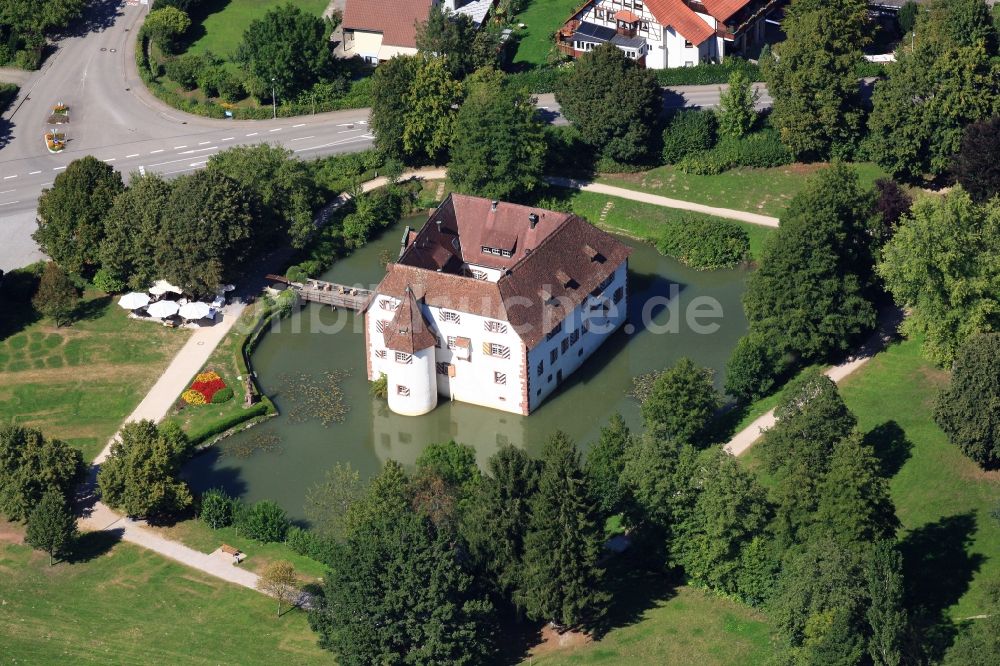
283, 457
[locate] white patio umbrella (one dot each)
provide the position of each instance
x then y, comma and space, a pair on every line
194, 310
161, 287
134, 300
163, 309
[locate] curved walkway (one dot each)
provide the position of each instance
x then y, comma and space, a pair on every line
886, 331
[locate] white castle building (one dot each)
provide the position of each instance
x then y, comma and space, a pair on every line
494, 304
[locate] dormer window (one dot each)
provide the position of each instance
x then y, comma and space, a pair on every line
496, 251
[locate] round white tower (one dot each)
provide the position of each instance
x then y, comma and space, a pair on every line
412, 383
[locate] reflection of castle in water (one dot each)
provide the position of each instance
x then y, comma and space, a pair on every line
403, 438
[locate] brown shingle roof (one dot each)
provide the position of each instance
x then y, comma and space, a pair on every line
565, 263
395, 19
724, 9
408, 332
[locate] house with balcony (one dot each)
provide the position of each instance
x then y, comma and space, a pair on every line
660, 34
494, 304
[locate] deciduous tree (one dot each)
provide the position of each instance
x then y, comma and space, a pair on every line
57, 296
562, 580
817, 104
811, 293
886, 612
51, 525
431, 105
682, 402
976, 166
278, 580
141, 474
289, 47
456, 38
30, 466
613, 103
966, 409
71, 213
943, 266
132, 228
391, 85
498, 149
165, 26
329, 502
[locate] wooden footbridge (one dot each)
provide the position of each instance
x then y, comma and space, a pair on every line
327, 293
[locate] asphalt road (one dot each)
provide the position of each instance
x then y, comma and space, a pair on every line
114, 118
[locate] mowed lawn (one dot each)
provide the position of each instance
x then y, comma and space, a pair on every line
765, 191
943, 499
79, 382
646, 221
131, 606
542, 18
692, 627
224, 22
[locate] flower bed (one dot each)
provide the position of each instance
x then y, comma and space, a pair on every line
203, 389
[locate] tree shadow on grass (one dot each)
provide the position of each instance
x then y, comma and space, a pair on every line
938, 568
891, 446
91, 545
634, 591
16, 290
91, 309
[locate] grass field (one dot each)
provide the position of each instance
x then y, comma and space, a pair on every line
942, 498
691, 627
646, 221
198, 535
542, 18
765, 191
225, 21
79, 382
130, 606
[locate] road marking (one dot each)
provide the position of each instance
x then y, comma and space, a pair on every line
153, 152
179, 147
303, 138
202, 143
58, 168
299, 125
9, 177
353, 129
132, 155
348, 124
9, 203
7, 191
110, 159
198, 164
228, 138
276, 129
253, 134
198, 150
32, 173
350, 139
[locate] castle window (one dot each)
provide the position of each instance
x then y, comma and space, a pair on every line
491, 326
387, 304
380, 325
495, 350
553, 356
442, 368
540, 368
604, 285
447, 315
554, 332
379, 353
618, 295
499, 378
574, 337
402, 390
479, 275
565, 345
405, 359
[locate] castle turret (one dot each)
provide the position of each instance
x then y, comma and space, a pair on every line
411, 379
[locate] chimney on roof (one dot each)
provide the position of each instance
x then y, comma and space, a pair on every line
438, 222
532, 219
493, 205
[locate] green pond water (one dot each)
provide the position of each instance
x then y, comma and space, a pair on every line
282, 458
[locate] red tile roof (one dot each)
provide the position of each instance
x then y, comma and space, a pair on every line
395, 19
564, 256
722, 10
409, 332
682, 19
626, 15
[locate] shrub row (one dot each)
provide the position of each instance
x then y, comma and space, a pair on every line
761, 149
262, 408
308, 543
264, 521
707, 73
705, 244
